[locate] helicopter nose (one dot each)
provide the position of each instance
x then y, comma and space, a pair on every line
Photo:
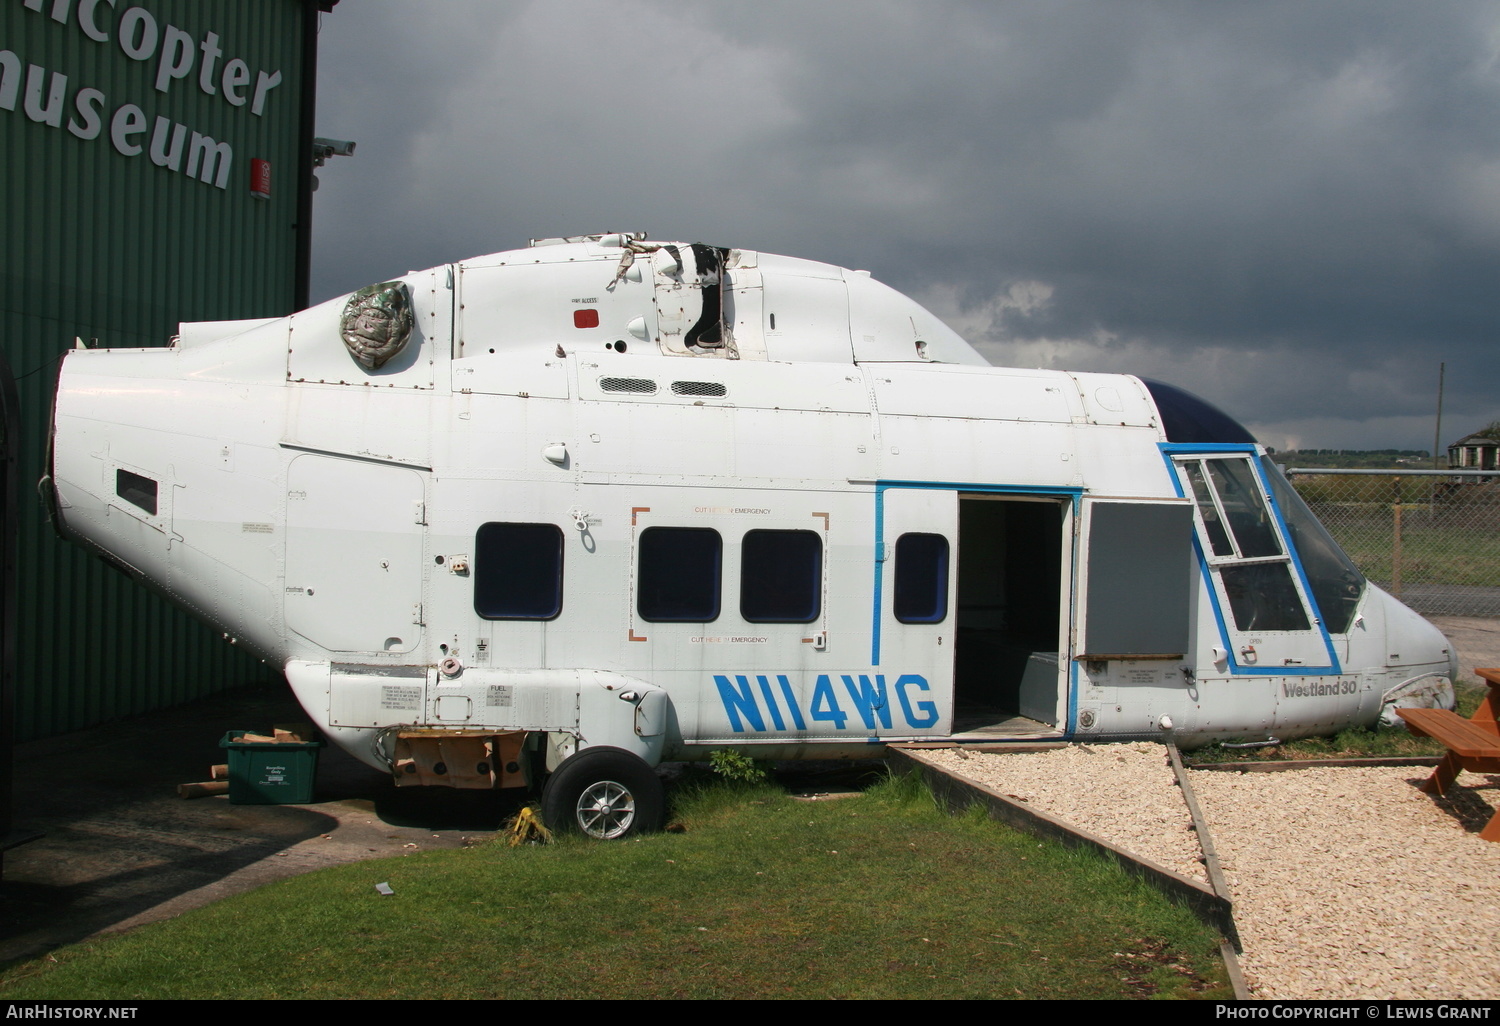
1411, 640
109, 486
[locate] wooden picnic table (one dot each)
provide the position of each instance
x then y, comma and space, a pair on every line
1473, 744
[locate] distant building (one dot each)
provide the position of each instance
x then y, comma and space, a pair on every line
1474, 452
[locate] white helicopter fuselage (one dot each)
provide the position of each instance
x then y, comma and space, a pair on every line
665, 500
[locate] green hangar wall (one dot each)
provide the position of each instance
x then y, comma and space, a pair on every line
157, 162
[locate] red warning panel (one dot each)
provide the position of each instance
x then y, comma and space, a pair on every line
260, 178
587, 317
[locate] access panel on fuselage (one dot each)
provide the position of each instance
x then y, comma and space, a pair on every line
354, 554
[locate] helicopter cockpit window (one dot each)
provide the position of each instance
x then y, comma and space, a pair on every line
518, 571
1213, 525
1263, 598
1245, 549
1249, 519
1336, 582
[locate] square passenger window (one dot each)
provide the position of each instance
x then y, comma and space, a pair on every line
518, 571
677, 580
781, 576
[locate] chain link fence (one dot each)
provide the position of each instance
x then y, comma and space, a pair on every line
1429, 537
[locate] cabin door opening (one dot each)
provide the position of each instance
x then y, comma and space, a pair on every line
1008, 677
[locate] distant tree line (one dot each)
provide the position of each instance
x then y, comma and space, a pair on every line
1357, 459
1423, 453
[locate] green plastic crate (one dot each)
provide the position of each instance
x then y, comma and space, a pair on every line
270, 773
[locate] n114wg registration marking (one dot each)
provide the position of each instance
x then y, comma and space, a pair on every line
751, 701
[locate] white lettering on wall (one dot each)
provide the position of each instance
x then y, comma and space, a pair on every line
175, 50
210, 151
87, 103
161, 156
59, 9
236, 77
176, 58
211, 55
129, 120
10, 79
177, 54
87, 13
263, 85
51, 114
137, 22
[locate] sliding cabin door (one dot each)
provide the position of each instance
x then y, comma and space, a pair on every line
915, 622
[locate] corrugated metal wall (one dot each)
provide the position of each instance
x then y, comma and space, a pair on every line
101, 245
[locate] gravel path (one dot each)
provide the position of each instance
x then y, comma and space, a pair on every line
1351, 883
1124, 794
1347, 883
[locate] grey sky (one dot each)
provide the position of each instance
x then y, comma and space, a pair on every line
1291, 209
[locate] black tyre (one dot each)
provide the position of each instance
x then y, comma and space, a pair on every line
605, 793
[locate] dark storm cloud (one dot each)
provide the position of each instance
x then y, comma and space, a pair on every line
1293, 209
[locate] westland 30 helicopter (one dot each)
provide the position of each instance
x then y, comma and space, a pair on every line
562, 513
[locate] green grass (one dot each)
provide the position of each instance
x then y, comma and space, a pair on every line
874, 896
1364, 488
1449, 541
1352, 743
1429, 554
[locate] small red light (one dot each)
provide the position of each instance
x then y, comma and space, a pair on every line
586, 318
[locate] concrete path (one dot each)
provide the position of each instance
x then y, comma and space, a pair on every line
120, 848
1461, 600
1477, 640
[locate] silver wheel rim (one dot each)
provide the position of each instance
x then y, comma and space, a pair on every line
606, 810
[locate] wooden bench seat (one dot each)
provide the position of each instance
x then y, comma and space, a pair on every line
1452, 731
1473, 744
